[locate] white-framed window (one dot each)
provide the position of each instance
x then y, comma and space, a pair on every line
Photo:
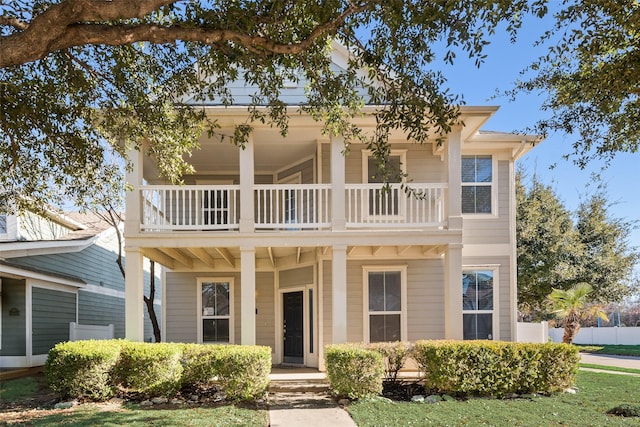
477, 184
215, 310
384, 202
385, 303
479, 300
8, 227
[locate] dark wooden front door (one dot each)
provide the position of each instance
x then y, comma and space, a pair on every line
292, 328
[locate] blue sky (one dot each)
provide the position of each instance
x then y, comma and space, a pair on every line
502, 67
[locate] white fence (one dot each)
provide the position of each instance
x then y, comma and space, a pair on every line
533, 332
598, 336
79, 332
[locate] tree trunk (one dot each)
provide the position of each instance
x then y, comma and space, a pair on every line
571, 328
149, 302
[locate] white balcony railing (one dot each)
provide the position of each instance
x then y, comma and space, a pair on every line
290, 207
293, 206
190, 207
370, 206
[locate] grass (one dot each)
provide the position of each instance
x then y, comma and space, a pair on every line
18, 389
610, 368
597, 393
92, 415
619, 350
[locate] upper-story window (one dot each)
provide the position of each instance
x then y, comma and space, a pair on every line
385, 202
477, 182
3, 224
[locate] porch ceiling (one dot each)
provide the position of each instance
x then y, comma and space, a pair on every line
277, 257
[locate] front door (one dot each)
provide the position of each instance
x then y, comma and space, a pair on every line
293, 327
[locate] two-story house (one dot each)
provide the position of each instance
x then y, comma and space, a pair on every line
292, 244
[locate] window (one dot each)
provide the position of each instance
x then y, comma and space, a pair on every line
385, 202
477, 304
385, 299
477, 180
215, 310
3, 224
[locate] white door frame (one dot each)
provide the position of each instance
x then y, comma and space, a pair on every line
279, 350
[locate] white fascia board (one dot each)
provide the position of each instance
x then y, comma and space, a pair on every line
22, 249
42, 277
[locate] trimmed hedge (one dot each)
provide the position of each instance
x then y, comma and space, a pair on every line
496, 368
394, 355
94, 369
83, 369
354, 370
150, 369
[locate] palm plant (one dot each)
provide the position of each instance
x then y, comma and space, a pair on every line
573, 306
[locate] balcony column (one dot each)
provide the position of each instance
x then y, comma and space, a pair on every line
454, 166
453, 292
133, 217
247, 220
338, 218
248, 295
133, 295
339, 294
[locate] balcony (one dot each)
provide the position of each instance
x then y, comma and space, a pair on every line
290, 207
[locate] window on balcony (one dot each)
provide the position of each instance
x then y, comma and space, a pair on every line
477, 182
385, 202
477, 304
385, 295
215, 310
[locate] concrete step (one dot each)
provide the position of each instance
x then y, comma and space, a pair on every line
299, 386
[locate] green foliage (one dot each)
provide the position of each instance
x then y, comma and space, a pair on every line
108, 81
394, 355
83, 369
150, 369
17, 389
353, 370
592, 91
495, 368
243, 371
201, 364
625, 410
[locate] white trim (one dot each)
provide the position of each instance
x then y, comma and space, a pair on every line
494, 188
20, 273
199, 282
14, 362
101, 290
320, 314
495, 318
28, 320
163, 307
53, 286
280, 321
366, 269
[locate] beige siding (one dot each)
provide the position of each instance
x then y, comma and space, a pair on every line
265, 304
425, 300
504, 290
306, 171
492, 229
296, 277
327, 312
325, 150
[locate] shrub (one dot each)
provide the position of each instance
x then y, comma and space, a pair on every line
394, 356
353, 370
496, 368
201, 364
625, 410
243, 371
151, 369
83, 369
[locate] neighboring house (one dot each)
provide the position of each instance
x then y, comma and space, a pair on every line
56, 269
291, 244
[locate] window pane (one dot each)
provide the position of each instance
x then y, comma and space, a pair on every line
469, 199
483, 199
392, 291
485, 290
215, 330
469, 300
384, 327
483, 169
468, 169
208, 299
392, 165
3, 223
222, 299
376, 291
477, 326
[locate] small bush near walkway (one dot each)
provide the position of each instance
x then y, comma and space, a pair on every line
353, 370
96, 370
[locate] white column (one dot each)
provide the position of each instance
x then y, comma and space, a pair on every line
248, 296
339, 294
453, 292
133, 295
454, 166
133, 217
247, 172
338, 219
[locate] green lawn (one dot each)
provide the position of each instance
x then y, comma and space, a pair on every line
620, 350
20, 388
610, 368
597, 393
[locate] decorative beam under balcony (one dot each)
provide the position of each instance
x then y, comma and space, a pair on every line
203, 256
159, 257
178, 256
271, 258
224, 253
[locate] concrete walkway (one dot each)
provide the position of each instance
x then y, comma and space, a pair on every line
308, 410
611, 360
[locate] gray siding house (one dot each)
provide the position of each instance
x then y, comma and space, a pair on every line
56, 269
290, 243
